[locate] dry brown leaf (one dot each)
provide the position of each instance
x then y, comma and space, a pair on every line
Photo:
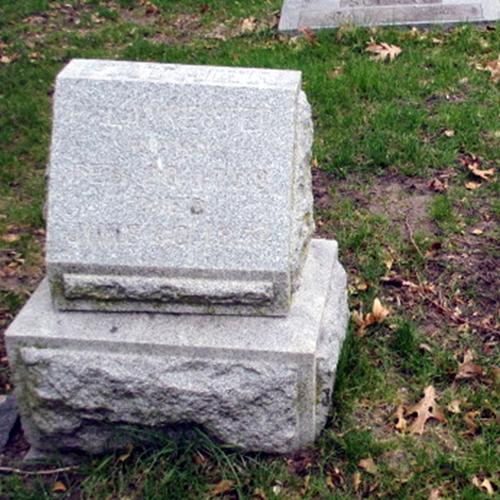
482, 174
377, 315
5, 60
10, 237
368, 465
425, 347
471, 423
305, 485
356, 481
259, 494
472, 185
248, 25
383, 50
199, 458
483, 484
389, 263
59, 487
335, 478
379, 312
493, 67
309, 35
454, 406
438, 185
222, 487
126, 455
435, 494
467, 369
425, 409
401, 422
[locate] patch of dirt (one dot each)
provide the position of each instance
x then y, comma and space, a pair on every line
322, 183
404, 201
436, 99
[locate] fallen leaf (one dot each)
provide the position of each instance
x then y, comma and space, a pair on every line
389, 263
199, 458
401, 422
309, 35
248, 25
362, 286
59, 487
377, 315
305, 486
472, 185
335, 478
437, 41
435, 494
477, 231
481, 173
449, 133
471, 423
5, 60
425, 347
438, 185
259, 494
483, 484
379, 312
383, 50
494, 69
151, 9
222, 487
368, 465
425, 409
10, 238
356, 481
126, 455
277, 489
454, 406
467, 369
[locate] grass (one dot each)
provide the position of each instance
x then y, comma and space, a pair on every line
379, 143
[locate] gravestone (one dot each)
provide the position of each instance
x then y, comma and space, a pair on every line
183, 286
165, 198
316, 14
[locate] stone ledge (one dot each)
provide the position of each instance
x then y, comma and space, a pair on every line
261, 383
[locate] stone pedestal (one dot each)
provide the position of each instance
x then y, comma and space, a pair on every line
263, 383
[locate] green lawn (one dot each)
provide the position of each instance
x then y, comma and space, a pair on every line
395, 143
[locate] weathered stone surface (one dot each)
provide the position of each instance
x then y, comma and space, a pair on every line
263, 383
194, 178
316, 14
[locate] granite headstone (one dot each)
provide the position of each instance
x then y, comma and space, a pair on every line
185, 191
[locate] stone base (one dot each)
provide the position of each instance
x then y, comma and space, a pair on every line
85, 379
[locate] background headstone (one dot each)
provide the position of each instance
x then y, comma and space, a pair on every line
316, 14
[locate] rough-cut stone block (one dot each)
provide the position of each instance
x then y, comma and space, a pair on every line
178, 188
316, 14
263, 383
